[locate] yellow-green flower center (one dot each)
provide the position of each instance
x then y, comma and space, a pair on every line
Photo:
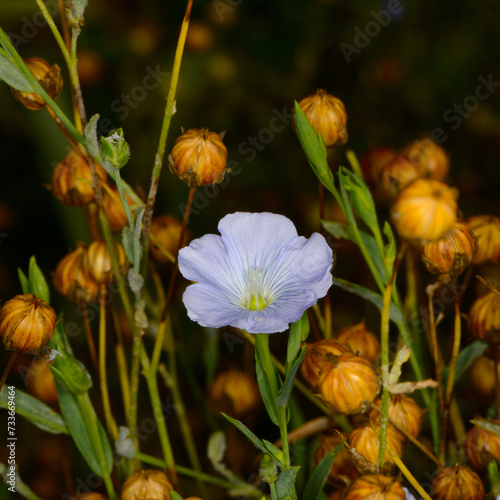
256, 303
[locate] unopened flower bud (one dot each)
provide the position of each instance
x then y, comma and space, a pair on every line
115, 149
199, 157
99, 261
457, 482
484, 317
49, 77
317, 356
376, 486
147, 485
327, 116
425, 210
166, 230
348, 383
451, 254
268, 469
487, 230
431, 160
482, 446
360, 340
26, 323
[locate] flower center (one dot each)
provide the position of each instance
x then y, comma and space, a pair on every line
256, 303
255, 296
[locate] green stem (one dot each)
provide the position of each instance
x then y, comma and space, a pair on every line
353, 160
119, 185
274, 495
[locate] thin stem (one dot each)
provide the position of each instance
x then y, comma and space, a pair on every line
353, 160
411, 479
90, 338
121, 361
274, 495
160, 152
108, 414
10, 362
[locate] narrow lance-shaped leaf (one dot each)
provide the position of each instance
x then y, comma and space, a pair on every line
12, 76
38, 284
285, 484
247, 432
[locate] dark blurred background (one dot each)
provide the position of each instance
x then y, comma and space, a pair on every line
402, 72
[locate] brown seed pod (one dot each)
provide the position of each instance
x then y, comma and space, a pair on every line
91, 496
360, 340
41, 382
484, 317
72, 180
482, 377
166, 229
316, 357
366, 441
482, 446
394, 176
403, 412
451, 254
49, 77
374, 160
348, 383
199, 157
375, 487
456, 482
26, 323
487, 230
113, 206
147, 485
344, 469
425, 210
234, 392
72, 277
431, 160
327, 116
99, 261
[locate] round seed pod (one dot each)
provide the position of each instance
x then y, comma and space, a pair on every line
360, 340
453, 253
403, 412
374, 160
72, 180
199, 157
482, 446
234, 392
41, 382
316, 357
147, 485
487, 230
430, 159
344, 469
26, 323
348, 383
425, 210
114, 210
166, 229
482, 376
327, 116
394, 176
375, 487
457, 482
91, 496
99, 261
365, 439
484, 317
72, 277
49, 77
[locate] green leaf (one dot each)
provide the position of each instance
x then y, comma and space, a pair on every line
91, 142
375, 298
488, 426
314, 149
274, 451
78, 429
266, 389
25, 283
72, 373
38, 284
247, 432
11, 75
286, 390
318, 478
299, 332
174, 495
465, 359
338, 230
285, 484
59, 341
494, 478
35, 411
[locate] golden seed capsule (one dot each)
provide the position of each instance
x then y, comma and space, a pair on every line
99, 261
147, 485
317, 356
451, 254
430, 159
484, 317
72, 277
403, 412
234, 392
366, 441
327, 116
91, 496
113, 206
166, 229
456, 482
344, 469
26, 323
72, 180
360, 340
49, 77
199, 157
41, 382
482, 446
374, 160
425, 210
348, 383
487, 230
395, 176
482, 377
375, 487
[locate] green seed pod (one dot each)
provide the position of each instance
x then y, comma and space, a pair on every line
115, 149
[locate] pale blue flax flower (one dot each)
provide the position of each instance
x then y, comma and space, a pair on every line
259, 275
